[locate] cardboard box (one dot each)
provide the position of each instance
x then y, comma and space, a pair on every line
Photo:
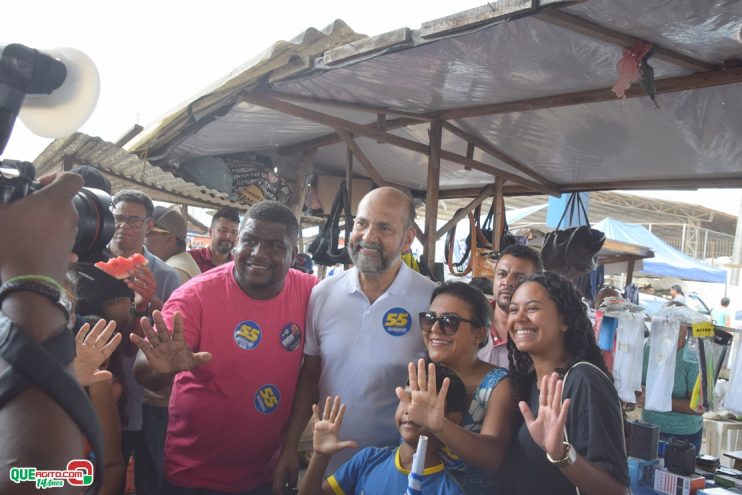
327, 188
674, 484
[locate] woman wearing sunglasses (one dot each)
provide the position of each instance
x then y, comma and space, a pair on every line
454, 329
571, 438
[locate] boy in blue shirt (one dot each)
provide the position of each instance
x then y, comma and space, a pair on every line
385, 470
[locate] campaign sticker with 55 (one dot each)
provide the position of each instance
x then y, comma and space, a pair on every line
79, 472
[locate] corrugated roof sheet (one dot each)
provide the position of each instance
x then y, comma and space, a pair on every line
126, 170
522, 65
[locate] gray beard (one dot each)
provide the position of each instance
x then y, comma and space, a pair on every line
367, 264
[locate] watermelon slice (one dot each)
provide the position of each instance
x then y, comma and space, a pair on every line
120, 267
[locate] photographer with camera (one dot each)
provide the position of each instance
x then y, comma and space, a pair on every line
40, 230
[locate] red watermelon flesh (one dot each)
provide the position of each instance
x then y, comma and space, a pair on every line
120, 267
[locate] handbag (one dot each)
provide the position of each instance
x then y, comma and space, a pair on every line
572, 251
483, 258
479, 261
325, 248
506, 238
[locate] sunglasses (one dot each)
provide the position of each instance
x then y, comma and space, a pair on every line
448, 323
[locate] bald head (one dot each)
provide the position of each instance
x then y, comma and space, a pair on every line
382, 230
393, 197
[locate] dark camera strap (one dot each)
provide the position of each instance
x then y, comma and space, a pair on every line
42, 365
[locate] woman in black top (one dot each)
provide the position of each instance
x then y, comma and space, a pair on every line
571, 437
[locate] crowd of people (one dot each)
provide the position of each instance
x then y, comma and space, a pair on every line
212, 377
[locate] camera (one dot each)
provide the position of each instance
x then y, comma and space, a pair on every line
95, 225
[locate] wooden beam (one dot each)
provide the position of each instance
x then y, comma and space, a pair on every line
692, 184
630, 272
469, 150
588, 28
365, 162
463, 212
471, 192
420, 234
500, 155
361, 107
431, 195
299, 191
487, 168
372, 132
349, 179
499, 213
669, 85
334, 138
129, 135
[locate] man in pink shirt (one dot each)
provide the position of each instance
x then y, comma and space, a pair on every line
231, 343
516, 263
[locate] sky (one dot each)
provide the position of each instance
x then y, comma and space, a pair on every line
154, 55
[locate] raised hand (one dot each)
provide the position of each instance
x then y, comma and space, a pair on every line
167, 352
325, 430
92, 349
424, 406
143, 283
547, 429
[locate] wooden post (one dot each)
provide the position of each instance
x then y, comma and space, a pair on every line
431, 195
299, 192
349, 177
184, 214
630, 271
499, 213
348, 217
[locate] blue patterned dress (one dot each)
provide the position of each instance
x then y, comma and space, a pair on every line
476, 481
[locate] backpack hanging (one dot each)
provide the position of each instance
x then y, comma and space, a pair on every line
325, 248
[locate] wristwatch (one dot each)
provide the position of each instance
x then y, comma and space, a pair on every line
57, 297
570, 457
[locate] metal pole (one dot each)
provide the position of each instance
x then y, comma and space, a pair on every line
737, 250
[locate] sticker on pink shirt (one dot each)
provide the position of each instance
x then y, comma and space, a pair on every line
247, 335
267, 399
291, 336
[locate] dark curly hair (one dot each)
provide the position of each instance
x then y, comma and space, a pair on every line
579, 338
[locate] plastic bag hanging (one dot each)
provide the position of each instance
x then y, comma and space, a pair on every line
629, 347
733, 399
663, 341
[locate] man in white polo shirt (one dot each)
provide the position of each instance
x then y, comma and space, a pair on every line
362, 331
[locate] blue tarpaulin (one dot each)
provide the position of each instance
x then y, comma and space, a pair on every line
667, 261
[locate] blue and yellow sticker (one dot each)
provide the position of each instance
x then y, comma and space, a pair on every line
397, 322
291, 336
267, 399
247, 335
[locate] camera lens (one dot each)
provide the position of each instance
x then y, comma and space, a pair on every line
95, 225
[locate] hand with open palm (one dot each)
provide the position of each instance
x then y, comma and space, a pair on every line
92, 350
167, 352
547, 429
325, 430
425, 406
